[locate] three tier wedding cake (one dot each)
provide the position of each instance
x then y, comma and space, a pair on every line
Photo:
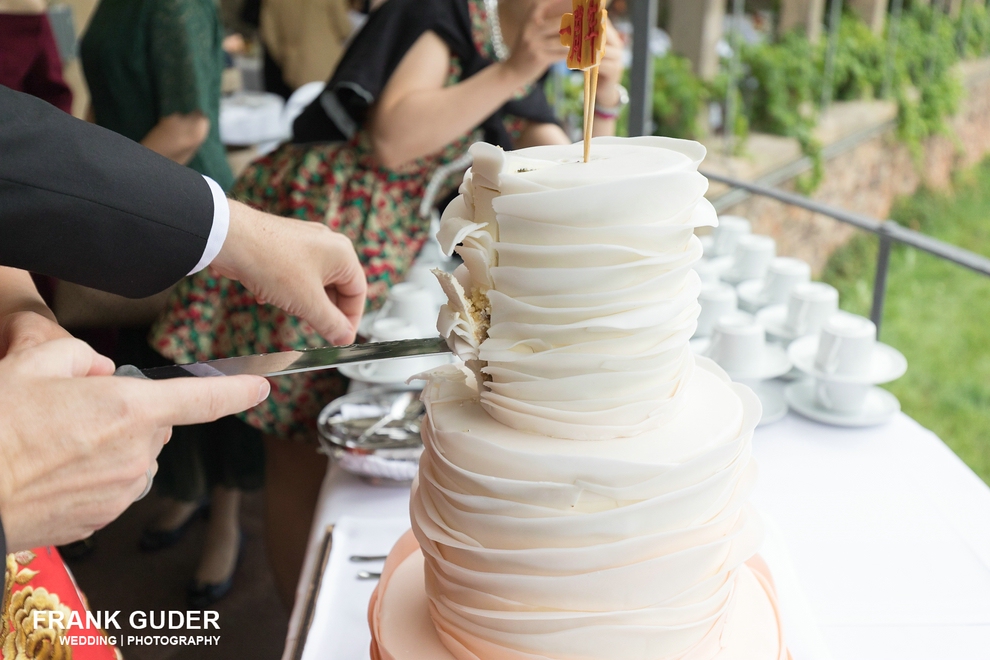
583, 491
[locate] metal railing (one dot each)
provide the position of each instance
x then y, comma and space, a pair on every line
643, 14
887, 231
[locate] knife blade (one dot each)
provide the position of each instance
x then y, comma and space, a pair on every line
294, 362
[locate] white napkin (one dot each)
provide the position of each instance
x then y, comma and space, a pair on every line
340, 622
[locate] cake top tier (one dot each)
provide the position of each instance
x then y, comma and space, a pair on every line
576, 299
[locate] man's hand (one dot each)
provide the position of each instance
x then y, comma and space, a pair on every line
25, 319
301, 267
75, 450
27, 329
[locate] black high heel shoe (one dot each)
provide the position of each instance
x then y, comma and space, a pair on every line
153, 540
200, 595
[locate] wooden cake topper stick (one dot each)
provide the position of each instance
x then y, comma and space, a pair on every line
583, 32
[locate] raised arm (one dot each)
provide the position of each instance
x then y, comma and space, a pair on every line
417, 115
178, 136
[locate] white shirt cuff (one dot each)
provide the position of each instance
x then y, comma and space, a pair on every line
221, 223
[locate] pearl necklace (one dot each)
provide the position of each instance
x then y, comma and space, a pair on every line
495, 26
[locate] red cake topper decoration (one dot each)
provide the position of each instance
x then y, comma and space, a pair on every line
583, 32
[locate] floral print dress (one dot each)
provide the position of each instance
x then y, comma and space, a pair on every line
343, 186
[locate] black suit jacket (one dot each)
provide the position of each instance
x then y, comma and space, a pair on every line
89, 206
86, 205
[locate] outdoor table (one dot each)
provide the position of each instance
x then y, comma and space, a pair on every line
879, 540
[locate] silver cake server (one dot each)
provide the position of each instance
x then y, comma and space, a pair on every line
294, 362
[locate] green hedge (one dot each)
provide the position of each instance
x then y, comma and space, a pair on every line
780, 87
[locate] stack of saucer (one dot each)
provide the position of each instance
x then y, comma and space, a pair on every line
846, 362
722, 241
808, 306
751, 259
717, 300
783, 275
409, 313
720, 246
740, 347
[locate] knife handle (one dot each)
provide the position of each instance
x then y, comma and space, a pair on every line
130, 371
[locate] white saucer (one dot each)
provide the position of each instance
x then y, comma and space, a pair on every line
771, 395
775, 363
887, 362
369, 318
774, 321
417, 365
353, 372
751, 297
880, 406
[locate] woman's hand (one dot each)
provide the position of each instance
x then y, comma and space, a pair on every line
610, 71
538, 46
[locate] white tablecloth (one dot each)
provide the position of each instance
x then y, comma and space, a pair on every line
881, 537
889, 533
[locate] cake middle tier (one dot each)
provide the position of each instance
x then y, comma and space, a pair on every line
576, 300
540, 544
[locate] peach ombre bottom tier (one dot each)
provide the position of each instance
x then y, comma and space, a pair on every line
402, 628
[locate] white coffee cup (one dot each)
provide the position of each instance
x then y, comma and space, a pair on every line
840, 397
391, 329
727, 233
716, 301
809, 306
738, 344
783, 275
708, 271
423, 276
412, 303
846, 345
752, 257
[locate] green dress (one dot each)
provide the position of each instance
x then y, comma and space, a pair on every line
147, 59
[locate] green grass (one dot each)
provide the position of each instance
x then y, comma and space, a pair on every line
937, 313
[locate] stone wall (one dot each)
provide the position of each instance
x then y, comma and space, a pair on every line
870, 175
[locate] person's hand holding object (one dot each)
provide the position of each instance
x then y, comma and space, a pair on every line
303, 268
78, 451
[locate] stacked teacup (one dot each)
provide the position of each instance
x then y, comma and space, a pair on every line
845, 363
739, 345
720, 246
722, 241
751, 258
717, 299
807, 307
410, 312
783, 274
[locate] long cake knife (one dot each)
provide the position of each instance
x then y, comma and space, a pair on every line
294, 362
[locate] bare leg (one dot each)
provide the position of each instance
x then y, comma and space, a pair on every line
223, 537
175, 513
293, 475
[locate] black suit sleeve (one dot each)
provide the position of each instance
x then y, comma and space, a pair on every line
89, 206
